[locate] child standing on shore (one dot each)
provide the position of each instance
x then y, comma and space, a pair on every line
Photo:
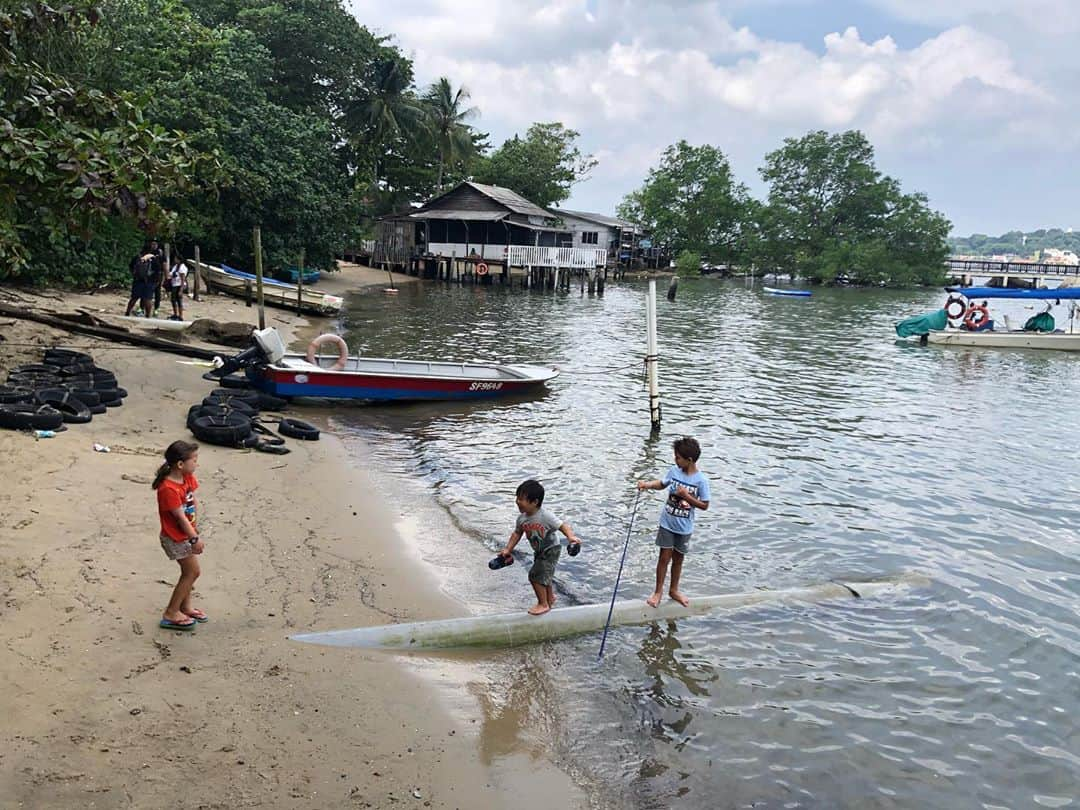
178, 509
688, 490
538, 526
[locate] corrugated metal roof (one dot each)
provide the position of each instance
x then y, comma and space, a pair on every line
611, 222
473, 216
511, 199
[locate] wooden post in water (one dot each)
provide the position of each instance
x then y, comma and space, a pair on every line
300, 284
256, 236
673, 287
198, 272
652, 360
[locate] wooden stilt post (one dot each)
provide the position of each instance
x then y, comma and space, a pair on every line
198, 272
256, 236
300, 284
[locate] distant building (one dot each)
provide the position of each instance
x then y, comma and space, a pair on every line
1055, 256
624, 241
482, 220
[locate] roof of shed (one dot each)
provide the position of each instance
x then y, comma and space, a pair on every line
450, 213
601, 219
511, 199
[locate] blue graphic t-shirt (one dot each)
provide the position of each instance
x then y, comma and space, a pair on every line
678, 515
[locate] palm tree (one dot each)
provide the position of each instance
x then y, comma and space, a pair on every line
388, 111
446, 119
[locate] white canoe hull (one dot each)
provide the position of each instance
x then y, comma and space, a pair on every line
159, 324
1058, 341
278, 294
508, 629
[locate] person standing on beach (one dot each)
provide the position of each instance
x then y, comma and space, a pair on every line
688, 490
538, 525
158, 275
178, 509
142, 271
177, 282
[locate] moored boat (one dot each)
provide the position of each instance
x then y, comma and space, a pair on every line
377, 379
276, 293
965, 322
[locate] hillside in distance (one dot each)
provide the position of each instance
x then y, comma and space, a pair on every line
1016, 243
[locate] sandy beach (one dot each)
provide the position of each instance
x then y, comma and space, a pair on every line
104, 709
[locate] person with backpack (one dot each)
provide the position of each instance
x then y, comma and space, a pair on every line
142, 280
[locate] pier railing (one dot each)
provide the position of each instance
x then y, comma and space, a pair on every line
532, 256
994, 267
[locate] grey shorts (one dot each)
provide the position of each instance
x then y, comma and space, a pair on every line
174, 550
543, 567
666, 538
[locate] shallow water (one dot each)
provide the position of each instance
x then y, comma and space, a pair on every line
833, 452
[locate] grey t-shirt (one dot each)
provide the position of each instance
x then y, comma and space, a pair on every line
539, 529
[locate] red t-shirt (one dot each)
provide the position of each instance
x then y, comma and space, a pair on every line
170, 495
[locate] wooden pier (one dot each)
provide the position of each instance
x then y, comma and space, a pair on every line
963, 271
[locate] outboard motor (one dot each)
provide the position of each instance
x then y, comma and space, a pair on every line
266, 348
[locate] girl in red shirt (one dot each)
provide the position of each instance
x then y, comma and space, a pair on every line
177, 507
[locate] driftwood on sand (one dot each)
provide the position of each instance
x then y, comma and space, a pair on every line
87, 324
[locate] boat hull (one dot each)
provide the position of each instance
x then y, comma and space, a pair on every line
378, 380
511, 629
275, 293
1054, 341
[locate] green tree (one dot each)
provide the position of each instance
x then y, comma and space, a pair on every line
446, 119
832, 215
691, 202
542, 167
74, 161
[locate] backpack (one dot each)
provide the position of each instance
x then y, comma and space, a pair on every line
144, 267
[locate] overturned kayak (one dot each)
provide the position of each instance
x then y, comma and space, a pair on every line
509, 629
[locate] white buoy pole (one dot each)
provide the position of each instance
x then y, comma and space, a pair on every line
652, 361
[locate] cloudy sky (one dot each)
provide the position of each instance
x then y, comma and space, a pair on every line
973, 102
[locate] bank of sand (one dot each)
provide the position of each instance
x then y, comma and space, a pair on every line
101, 708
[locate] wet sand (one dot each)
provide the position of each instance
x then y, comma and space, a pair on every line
104, 709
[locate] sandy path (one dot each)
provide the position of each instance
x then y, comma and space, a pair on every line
103, 709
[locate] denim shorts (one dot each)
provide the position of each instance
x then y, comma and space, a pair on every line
665, 538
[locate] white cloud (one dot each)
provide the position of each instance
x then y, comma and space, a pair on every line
635, 77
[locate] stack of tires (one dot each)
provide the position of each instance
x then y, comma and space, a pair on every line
66, 387
232, 417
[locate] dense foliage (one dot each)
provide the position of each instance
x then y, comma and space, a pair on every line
830, 215
195, 120
75, 162
691, 203
541, 167
1016, 243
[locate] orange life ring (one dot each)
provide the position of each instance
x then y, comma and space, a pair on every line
976, 317
337, 340
481, 269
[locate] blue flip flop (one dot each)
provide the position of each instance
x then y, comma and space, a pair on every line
169, 624
199, 619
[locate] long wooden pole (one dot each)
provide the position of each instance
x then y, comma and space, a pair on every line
652, 360
257, 238
198, 272
300, 285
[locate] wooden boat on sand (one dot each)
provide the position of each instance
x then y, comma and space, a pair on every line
276, 293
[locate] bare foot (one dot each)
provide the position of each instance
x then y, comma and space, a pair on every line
653, 600
678, 597
538, 610
552, 601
